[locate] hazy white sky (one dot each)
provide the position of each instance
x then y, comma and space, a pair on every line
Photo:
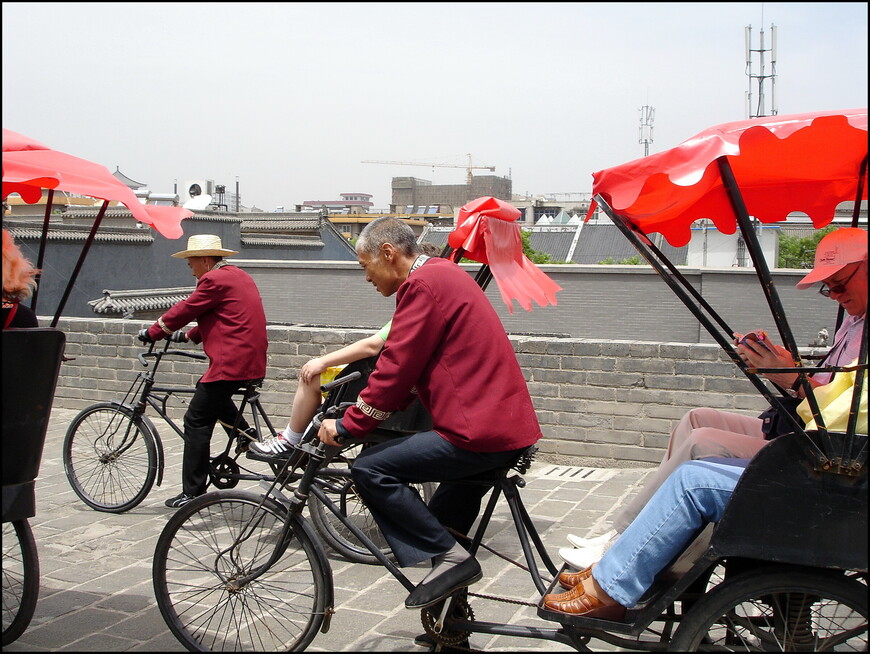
292, 97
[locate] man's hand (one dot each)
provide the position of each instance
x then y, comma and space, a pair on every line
769, 355
178, 337
328, 432
144, 337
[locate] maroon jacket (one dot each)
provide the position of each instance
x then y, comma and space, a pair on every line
448, 342
231, 324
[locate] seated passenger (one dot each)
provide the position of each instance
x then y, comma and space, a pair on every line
307, 398
841, 266
694, 495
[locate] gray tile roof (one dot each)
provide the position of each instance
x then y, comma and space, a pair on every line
128, 302
280, 240
71, 233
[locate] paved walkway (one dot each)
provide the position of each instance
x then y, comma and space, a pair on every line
95, 568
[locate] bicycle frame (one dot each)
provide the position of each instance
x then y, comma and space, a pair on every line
149, 394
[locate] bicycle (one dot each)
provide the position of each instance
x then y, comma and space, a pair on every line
243, 571
112, 451
113, 455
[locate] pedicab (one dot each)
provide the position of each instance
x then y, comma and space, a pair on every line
791, 549
32, 357
784, 569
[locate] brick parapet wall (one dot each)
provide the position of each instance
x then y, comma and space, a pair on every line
599, 402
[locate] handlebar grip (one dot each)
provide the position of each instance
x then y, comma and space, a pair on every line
340, 381
191, 355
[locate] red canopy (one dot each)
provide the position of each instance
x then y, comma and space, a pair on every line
29, 166
802, 162
487, 231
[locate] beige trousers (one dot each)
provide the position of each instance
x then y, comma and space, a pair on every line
700, 433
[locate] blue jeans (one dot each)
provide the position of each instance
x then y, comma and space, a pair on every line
694, 495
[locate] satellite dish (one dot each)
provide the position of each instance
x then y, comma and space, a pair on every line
198, 202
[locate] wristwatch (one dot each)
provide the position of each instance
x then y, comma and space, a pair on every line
793, 391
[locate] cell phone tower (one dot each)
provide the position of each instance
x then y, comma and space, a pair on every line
647, 116
759, 75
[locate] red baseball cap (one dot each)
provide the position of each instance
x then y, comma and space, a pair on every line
834, 252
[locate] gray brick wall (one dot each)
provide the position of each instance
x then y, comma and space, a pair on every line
599, 402
597, 302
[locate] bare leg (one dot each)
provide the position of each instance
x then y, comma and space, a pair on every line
306, 400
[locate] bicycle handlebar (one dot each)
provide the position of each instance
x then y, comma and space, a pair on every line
150, 353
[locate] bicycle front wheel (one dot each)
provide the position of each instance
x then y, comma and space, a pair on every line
206, 582
20, 578
110, 459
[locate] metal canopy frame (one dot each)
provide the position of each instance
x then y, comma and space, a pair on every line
842, 462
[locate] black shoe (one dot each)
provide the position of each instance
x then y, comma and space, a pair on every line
425, 640
435, 590
179, 500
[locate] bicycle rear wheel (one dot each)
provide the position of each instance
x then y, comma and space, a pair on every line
781, 609
20, 578
200, 573
110, 459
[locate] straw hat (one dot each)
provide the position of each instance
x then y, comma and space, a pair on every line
834, 252
204, 245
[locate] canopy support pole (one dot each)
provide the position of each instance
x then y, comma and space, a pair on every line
686, 293
82, 256
769, 288
49, 201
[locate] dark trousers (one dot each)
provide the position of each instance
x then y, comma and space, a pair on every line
212, 401
415, 532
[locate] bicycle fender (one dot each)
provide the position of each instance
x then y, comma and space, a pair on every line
158, 443
301, 523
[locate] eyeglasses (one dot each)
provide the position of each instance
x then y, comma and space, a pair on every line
839, 288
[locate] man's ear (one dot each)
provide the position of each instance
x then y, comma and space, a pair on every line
389, 251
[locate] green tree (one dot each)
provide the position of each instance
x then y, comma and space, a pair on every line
799, 252
534, 255
635, 260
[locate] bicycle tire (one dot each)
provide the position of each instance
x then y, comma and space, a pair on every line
109, 458
20, 579
281, 610
778, 608
335, 534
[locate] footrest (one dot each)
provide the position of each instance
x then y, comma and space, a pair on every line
581, 622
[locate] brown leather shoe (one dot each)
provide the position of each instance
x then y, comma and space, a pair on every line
566, 596
585, 605
572, 579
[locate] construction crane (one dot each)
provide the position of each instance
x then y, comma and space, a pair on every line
468, 168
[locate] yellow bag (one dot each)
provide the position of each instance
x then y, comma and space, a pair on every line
835, 400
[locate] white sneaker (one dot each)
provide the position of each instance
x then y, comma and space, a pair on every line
577, 541
582, 557
274, 447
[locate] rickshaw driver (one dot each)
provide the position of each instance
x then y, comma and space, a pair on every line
447, 344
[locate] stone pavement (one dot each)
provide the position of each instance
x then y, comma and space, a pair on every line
95, 568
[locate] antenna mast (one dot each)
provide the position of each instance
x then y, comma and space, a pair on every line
647, 116
761, 76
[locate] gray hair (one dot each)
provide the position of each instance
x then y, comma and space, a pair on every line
387, 230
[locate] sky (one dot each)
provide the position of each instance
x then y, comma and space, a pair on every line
290, 98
